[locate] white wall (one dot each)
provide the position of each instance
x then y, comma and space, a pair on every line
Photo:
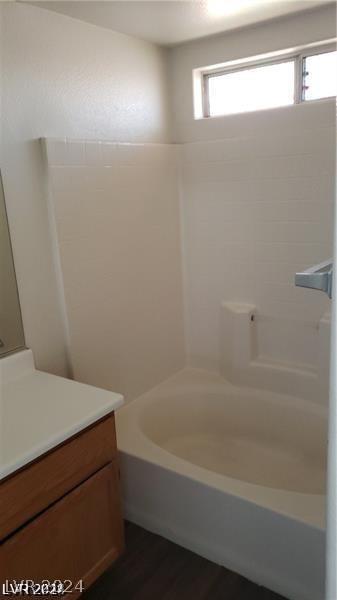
63, 77
316, 25
117, 220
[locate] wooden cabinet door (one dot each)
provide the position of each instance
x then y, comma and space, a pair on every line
76, 538
34, 488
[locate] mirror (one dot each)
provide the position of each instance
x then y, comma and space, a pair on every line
11, 329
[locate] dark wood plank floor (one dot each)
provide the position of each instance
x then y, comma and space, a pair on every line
153, 568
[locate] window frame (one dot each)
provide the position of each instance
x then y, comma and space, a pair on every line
298, 58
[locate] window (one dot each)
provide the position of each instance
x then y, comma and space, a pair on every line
251, 89
320, 76
259, 85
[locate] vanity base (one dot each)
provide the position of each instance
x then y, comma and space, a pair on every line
77, 535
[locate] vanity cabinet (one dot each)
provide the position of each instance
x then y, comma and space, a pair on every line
60, 517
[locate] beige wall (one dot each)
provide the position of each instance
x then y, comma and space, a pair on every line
63, 77
280, 34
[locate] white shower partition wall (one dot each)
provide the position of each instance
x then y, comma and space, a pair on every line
116, 213
257, 208
254, 209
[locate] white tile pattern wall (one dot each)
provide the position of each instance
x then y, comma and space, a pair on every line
257, 209
117, 219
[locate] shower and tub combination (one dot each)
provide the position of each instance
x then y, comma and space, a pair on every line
185, 254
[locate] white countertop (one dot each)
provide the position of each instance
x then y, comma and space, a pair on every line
38, 411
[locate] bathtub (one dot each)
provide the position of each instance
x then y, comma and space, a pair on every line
234, 474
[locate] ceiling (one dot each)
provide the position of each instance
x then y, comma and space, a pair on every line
169, 22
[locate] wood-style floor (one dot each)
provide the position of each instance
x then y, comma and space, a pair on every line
153, 568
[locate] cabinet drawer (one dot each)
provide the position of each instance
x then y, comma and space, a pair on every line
76, 538
30, 491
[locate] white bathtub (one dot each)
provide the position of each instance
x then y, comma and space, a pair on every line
234, 474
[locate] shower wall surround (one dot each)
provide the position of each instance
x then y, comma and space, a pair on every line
254, 209
116, 211
258, 208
